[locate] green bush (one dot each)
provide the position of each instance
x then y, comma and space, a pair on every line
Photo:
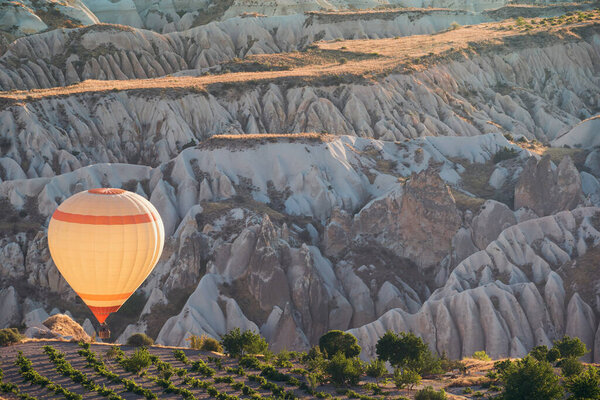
571, 366
540, 353
334, 342
139, 340
375, 369
237, 343
205, 343
139, 360
343, 370
506, 153
406, 377
553, 355
430, 394
407, 350
249, 362
9, 336
585, 386
481, 355
530, 379
570, 347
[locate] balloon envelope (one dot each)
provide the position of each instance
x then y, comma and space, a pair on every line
105, 242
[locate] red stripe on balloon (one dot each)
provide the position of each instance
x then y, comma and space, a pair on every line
103, 219
101, 313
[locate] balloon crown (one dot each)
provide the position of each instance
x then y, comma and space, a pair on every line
106, 191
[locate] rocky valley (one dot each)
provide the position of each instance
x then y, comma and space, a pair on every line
317, 166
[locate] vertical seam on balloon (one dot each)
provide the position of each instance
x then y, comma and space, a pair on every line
127, 282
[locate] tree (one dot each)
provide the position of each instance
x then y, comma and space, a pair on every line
403, 350
406, 377
237, 343
540, 353
9, 336
205, 343
375, 369
530, 379
570, 366
570, 347
139, 339
585, 386
344, 370
481, 355
430, 394
553, 355
335, 341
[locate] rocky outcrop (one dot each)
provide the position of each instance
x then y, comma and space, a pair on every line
507, 298
547, 189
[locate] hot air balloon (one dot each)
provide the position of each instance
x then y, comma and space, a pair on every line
105, 242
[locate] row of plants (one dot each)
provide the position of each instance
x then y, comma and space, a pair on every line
65, 368
31, 375
8, 387
100, 367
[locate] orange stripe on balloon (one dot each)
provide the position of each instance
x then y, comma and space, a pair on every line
103, 219
104, 297
101, 313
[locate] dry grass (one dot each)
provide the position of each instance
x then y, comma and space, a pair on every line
402, 54
465, 202
241, 142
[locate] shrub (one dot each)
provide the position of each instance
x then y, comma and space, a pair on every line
407, 350
530, 379
481, 355
540, 353
9, 336
585, 386
344, 370
343, 60
139, 360
139, 340
571, 366
334, 342
375, 369
570, 347
237, 343
249, 362
553, 355
520, 21
205, 343
406, 377
506, 153
430, 394
454, 25
201, 367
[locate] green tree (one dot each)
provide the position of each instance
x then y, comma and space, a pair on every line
403, 350
237, 343
481, 355
343, 370
430, 394
570, 347
540, 353
335, 341
530, 379
585, 386
9, 336
139, 339
138, 361
570, 366
553, 355
406, 377
375, 369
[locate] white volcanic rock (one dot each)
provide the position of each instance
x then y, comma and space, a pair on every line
20, 16
121, 12
35, 318
9, 308
12, 261
492, 219
491, 300
584, 134
546, 189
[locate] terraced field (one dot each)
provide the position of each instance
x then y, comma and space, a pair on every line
49, 369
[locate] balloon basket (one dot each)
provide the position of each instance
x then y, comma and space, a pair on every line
104, 332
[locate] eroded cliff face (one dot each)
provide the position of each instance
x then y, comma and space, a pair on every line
293, 237
460, 98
